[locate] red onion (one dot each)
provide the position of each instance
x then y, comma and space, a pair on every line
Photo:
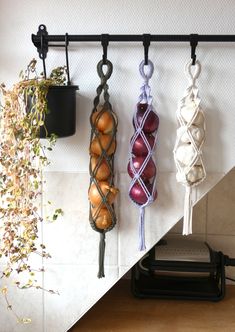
151, 122
138, 195
139, 146
148, 172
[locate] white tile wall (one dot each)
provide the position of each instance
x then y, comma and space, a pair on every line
79, 289
73, 244
74, 241
214, 217
26, 304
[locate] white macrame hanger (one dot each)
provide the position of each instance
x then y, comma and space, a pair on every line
189, 142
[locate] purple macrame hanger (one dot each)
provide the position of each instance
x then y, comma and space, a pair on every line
146, 187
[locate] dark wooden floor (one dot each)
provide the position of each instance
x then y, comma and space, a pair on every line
119, 311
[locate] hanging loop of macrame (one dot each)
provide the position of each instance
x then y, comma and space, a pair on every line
143, 183
102, 75
102, 148
149, 67
189, 141
192, 72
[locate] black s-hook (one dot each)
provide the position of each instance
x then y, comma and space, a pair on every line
193, 44
146, 43
67, 58
105, 43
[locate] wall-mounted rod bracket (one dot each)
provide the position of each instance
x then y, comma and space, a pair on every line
42, 42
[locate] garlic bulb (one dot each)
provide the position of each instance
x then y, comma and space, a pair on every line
189, 110
198, 162
181, 177
197, 133
195, 174
185, 154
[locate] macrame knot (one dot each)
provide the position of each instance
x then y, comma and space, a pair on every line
138, 129
150, 199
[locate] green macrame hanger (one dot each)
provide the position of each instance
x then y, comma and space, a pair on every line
109, 159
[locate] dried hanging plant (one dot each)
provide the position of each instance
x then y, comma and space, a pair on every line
22, 158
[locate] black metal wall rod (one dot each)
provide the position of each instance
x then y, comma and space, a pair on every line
42, 39
133, 38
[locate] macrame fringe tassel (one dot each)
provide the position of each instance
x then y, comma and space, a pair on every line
141, 230
101, 255
188, 212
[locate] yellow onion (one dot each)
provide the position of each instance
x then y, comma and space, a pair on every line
108, 191
102, 142
103, 218
103, 120
103, 171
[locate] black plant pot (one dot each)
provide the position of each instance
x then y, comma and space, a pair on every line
61, 117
